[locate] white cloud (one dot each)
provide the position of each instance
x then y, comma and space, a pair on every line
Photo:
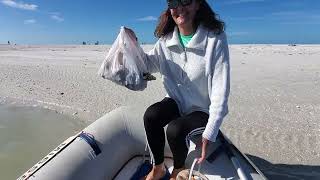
148, 18
57, 18
19, 5
243, 1
239, 33
253, 18
288, 13
301, 23
315, 16
30, 21
54, 13
296, 17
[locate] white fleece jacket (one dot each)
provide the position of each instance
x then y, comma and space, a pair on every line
197, 77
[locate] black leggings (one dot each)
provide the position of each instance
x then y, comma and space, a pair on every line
157, 116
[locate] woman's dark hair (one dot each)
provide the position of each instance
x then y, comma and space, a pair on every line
205, 16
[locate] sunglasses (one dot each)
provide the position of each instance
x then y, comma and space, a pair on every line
173, 4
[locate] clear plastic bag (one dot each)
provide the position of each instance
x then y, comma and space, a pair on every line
124, 63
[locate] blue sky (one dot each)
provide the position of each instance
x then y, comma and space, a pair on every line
71, 22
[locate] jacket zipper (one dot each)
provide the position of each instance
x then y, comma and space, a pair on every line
184, 65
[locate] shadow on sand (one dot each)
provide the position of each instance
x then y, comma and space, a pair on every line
286, 171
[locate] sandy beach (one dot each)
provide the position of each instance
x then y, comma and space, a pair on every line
274, 102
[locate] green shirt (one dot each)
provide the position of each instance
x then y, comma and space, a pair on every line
184, 39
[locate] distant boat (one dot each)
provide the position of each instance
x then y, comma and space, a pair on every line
114, 146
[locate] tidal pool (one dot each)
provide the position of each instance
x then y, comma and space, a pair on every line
27, 134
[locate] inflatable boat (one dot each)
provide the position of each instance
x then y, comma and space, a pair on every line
114, 146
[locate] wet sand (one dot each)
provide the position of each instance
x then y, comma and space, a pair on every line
274, 101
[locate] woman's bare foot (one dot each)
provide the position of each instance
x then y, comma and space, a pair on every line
175, 172
157, 172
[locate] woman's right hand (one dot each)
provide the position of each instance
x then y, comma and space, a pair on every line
131, 33
203, 150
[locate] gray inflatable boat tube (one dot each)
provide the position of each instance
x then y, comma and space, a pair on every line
119, 134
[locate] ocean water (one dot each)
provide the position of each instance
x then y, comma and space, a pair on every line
27, 134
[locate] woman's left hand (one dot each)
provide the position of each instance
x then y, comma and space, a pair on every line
203, 150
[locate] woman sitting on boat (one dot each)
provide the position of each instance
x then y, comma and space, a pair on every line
193, 58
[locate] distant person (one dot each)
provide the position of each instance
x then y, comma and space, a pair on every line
8, 42
193, 57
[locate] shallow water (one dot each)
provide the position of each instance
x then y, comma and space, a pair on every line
28, 134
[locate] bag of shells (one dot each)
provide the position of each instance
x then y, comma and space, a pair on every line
125, 64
